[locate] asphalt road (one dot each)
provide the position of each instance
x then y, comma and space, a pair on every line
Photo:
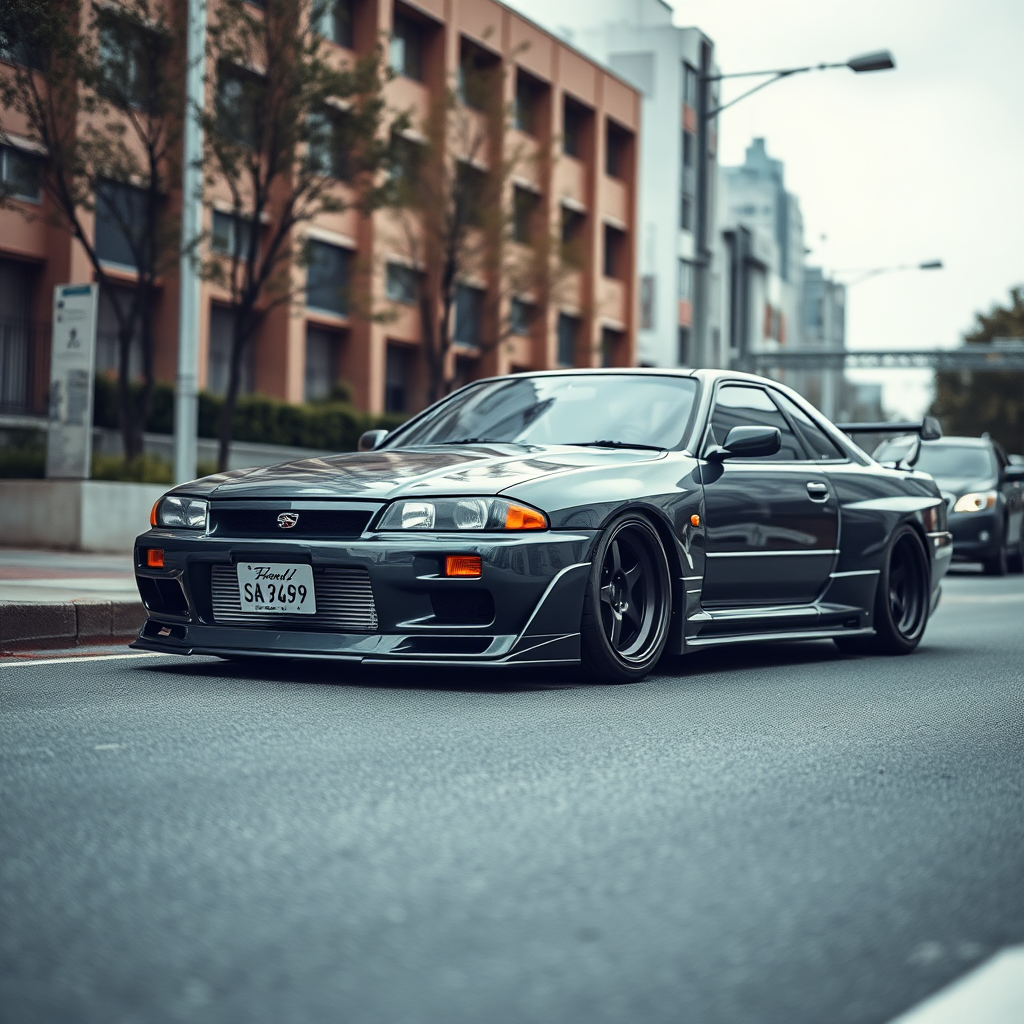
778, 834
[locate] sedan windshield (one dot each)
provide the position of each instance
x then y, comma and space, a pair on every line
617, 410
961, 461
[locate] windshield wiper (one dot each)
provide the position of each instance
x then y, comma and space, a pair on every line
466, 440
616, 444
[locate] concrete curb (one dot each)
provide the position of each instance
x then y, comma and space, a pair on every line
68, 622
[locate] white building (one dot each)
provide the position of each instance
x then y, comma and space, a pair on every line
679, 286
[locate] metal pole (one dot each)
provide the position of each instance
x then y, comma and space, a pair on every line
186, 399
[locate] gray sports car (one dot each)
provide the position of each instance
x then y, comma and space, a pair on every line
599, 518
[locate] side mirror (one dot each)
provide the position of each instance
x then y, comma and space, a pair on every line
749, 443
1014, 474
931, 429
369, 440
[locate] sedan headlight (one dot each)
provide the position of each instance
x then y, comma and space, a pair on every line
976, 501
181, 513
462, 515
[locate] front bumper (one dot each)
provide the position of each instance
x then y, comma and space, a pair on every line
977, 536
524, 608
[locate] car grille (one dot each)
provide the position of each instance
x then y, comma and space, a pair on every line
344, 603
262, 522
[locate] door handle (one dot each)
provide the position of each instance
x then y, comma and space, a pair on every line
816, 491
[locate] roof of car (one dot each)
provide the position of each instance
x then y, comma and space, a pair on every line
963, 442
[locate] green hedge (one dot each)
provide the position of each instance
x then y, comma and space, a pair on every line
332, 424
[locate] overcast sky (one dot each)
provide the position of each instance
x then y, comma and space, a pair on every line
924, 162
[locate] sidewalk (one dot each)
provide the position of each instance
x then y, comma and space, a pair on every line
66, 597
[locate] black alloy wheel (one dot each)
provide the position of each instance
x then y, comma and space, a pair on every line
901, 601
628, 603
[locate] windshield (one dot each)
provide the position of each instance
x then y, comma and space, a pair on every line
630, 410
952, 461
956, 461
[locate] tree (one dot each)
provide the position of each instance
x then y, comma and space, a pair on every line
294, 132
463, 223
971, 403
95, 89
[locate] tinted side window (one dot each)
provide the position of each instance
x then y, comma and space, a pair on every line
819, 444
741, 406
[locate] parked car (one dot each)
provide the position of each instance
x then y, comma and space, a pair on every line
594, 517
983, 490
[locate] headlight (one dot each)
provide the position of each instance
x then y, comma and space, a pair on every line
462, 515
182, 513
975, 502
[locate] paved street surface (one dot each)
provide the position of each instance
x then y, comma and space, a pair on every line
778, 834
48, 576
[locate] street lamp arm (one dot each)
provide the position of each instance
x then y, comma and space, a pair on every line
711, 114
778, 72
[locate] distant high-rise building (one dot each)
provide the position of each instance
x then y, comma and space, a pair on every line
678, 317
824, 327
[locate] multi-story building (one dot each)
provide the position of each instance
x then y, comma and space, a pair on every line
824, 327
670, 66
577, 120
755, 198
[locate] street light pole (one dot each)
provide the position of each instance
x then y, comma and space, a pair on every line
881, 60
875, 271
186, 398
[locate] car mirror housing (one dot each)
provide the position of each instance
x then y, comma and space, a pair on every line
749, 443
1013, 474
371, 439
931, 429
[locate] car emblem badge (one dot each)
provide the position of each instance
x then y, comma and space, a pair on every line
286, 520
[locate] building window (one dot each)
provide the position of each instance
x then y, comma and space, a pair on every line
521, 317
396, 379
610, 341
20, 175
614, 253
527, 100
574, 127
407, 47
406, 156
469, 303
476, 75
568, 332
647, 302
686, 207
17, 50
230, 235
471, 199
400, 284
333, 20
130, 57
524, 209
616, 162
120, 223
239, 100
327, 277
685, 281
330, 144
689, 149
108, 342
321, 363
572, 225
689, 85
218, 359
683, 354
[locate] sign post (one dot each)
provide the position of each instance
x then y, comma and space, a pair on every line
72, 367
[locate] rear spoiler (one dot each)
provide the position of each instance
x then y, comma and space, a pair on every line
929, 428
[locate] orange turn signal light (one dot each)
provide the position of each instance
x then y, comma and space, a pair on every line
152, 514
520, 518
695, 520
155, 558
462, 565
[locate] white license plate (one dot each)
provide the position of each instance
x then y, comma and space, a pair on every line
279, 587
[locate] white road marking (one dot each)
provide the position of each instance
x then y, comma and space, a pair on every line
108, 746
82, 657
983, 599
991, 994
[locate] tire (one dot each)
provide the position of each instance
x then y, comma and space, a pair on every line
902, 601
628, 604
997, 565
1015, 563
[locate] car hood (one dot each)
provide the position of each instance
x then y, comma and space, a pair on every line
390, 473
957, 485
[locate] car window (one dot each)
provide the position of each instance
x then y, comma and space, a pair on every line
819, 444
955, 460
742, 406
